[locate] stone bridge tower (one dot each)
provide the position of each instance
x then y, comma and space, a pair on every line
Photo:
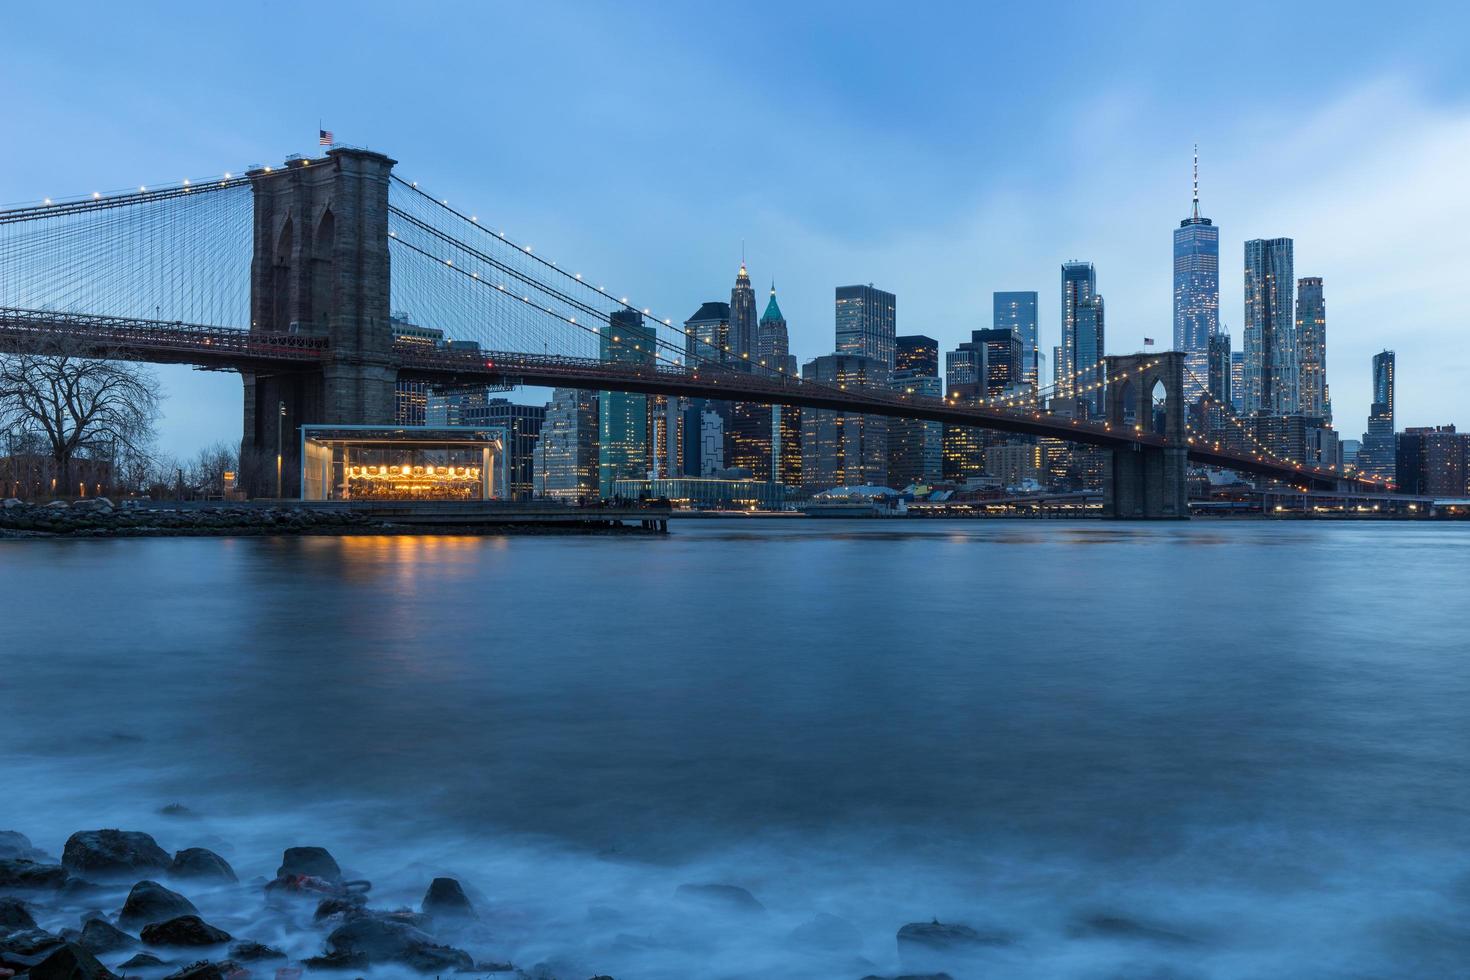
1147, 482
320, 268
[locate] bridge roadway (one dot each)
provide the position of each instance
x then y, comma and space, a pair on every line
232, 349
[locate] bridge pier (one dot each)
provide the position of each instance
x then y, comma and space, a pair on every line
1142, 481
320, 268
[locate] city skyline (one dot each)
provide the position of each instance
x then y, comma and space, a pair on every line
943, 238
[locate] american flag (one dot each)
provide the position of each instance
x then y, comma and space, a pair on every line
1148, 341
324, 137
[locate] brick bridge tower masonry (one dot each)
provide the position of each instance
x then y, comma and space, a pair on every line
1148, 482
320, 268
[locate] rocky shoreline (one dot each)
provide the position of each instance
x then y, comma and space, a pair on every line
98, 517
102, 912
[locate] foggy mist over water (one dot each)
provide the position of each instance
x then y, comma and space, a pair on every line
1249, 739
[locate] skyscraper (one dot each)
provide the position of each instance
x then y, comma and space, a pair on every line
1237, 381
867, 323
1017, 312
844, 448
706, 341
773, 341
1196, 278
773, 346
522, 424
988, 365
707, 335
1376, 457
917, 357
1311, 335
1082, 337
743, 327
565, 457
622, 443
1272, 379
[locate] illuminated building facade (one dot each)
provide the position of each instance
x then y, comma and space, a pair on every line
411, 398
622, 417
1083, 331
712, 493
1311, 335
565, 457
1013, 462
1271, 373
365, 462
916, 446
988, 365
867, 321
706, 341
522, 424
1376, 457
1016, 311
844, 448
916, 356
1433, 460
1196, 278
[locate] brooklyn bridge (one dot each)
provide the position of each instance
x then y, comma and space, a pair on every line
288, 275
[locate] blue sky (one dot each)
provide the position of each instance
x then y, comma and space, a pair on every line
941, 151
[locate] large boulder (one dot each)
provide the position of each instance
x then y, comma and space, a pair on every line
101, 936
205, 970
446, 899
186, 930
14, 916
70, 962
142, 963
313, 861
729, 898
26, 947
938, 935
14, 844
113, 853
202, 863
384, 940
150, 902
249, 952
24, 873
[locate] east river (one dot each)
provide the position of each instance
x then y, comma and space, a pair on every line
1234, 750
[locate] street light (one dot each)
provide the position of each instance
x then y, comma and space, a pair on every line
280, 447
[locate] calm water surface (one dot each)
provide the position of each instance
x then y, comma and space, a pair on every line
1251, 737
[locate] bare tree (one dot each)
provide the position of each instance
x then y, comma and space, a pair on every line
78, 406
207, 472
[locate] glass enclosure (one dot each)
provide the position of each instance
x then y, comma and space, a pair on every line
401, 463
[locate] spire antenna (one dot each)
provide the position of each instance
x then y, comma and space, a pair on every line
1196, 181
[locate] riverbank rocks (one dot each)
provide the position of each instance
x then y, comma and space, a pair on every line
101, 936
250, 952
23, 873
201, 863
205, 970
938, 935
384, 940
446, 899
731, 898
70, 962
185, 930
142, 961
15, 845
14, 916
113, 853
313, 861
150, 902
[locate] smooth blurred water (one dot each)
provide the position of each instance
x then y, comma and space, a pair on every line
1255, 735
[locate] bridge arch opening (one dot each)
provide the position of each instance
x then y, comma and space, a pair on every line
1127, 399
281, 278
323, 247
1159, 399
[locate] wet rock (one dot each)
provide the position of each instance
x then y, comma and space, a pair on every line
113, 853
14, 844
14, 916
205, 970
25, 873
142, 961
250, 952
446, 899
150, 902
731, 898
384, 940
202, 863
70, 962
337, 961
827, 932
1117, 927
101, 936
91, 914
938, 935
338, 905
27, 943
313, 861
185, 930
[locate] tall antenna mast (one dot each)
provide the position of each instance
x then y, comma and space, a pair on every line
1196, 182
